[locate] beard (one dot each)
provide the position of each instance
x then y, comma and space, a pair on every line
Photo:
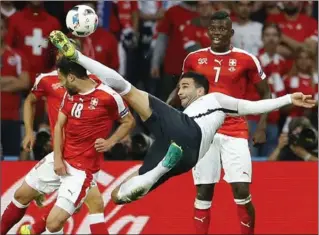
71, 91
291, 11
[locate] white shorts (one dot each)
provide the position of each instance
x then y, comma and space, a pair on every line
230, 153
73, 187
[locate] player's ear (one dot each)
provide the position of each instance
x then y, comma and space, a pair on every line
71, 77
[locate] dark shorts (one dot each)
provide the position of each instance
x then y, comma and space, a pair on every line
168, 124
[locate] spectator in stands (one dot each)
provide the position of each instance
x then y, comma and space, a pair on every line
296, 27
30, 36
195, 30
14, 79
300, 144
101, 45
169, 46
274, 66
247, 32
303, 78
150, 13
7, 9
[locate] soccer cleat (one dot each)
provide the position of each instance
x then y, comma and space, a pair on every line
173, 155
64, 45
25, 229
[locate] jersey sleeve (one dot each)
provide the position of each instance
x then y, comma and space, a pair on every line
188, 63
39, 87
118, 106
255, 71
64, 105
240, 107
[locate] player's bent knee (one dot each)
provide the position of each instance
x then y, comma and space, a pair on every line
25, 194
205, 192
240, 190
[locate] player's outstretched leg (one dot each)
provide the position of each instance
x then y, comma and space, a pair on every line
17, 207
139, 185
136, 98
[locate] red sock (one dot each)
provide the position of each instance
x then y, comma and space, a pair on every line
40, 221
12, 215
202, 220
246, 222
97, 224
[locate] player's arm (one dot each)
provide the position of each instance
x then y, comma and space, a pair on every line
28, 119
240, 107
127, 124
59, 166
13, 84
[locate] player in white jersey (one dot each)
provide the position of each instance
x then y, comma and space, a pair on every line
182, 138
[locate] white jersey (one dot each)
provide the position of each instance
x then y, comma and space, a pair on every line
209, 112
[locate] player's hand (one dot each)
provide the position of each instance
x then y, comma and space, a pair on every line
301, 100
259, 137
28, 142
283, 140
155, 73
59, 167
102, 145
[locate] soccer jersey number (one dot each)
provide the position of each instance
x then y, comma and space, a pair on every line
217, 73
77, 110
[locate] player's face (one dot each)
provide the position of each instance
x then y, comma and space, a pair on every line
243, 9
67, 83
271, 37
188, 92
291, 7
205, 8
220, 33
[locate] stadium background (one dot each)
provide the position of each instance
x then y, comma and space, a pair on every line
286, 193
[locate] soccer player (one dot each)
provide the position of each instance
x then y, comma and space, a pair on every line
229, 70
181, 138
42, 177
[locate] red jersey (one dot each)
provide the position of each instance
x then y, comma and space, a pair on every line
103, 47
88, 117
47, 86
300, 29
274, 67
301, 83
229, 73
193, 33
13, 64
28, 32
171, 24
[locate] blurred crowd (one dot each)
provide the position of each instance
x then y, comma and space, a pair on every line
147, 41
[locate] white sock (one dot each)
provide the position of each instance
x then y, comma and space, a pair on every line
107, 75
96, 218
145, 181
48, 232
18, 204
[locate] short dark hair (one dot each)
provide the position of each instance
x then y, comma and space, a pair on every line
67, 67
199, 79
220, 15
271, 25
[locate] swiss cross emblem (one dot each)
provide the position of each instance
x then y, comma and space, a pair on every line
94, 102
232, 62
202, 61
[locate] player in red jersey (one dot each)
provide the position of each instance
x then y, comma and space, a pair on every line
228, 70
78, 150
195, 31
46, 86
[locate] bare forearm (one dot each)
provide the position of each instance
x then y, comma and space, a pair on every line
123, 130
293, 44
28, 114
274, 155
14, 86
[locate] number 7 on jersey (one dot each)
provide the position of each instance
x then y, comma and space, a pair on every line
217, 73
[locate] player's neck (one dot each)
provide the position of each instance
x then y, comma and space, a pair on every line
86, 85
221, 49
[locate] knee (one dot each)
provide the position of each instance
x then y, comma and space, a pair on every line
205, 192
54, 224
25, 194
241, 190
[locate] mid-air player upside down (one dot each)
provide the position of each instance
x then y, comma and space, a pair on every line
44, 178
191, 131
